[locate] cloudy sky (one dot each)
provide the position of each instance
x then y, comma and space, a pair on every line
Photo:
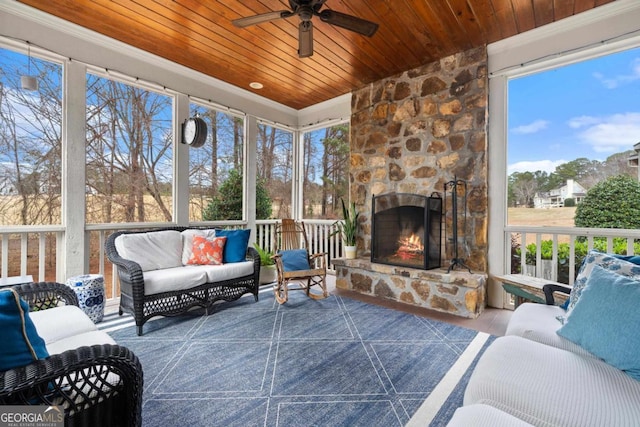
591, 110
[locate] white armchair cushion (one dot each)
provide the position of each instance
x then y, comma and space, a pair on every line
153, 250
80, 340
484, 416
61, 322
547, 386
538, 322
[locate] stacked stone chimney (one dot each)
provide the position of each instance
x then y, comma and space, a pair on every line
413, 133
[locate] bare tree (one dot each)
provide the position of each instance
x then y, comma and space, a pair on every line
30, 144
129, 141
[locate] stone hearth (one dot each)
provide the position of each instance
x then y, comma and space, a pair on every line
459, 292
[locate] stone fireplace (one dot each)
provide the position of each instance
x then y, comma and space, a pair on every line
413, 133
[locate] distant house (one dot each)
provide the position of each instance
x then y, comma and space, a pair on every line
7, 180
556, 197
633, 159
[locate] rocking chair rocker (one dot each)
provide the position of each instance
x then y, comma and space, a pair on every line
295, 265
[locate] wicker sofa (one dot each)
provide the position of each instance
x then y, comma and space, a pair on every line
156, 280
95, 381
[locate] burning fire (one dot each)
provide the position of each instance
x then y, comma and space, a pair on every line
410, 247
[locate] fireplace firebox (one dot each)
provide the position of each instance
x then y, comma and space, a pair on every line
406, 230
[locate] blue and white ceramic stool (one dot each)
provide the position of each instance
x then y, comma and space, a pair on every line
90, 291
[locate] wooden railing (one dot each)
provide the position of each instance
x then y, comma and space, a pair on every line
568, 246
30, 251
37, 250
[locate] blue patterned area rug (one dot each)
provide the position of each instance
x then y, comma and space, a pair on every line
332, 362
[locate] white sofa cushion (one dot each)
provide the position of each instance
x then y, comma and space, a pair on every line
538, 322
187, 241
61, 322
79, 340
547, 386
152, 250
484, 416
216, 273
173, 279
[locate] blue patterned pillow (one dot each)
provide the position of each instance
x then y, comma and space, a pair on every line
605, 320
606, 261
21, 343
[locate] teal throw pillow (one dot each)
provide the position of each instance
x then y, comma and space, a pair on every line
295, 259
606, 319
235, 250
21, 343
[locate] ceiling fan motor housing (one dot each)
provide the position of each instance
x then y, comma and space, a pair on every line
306, 9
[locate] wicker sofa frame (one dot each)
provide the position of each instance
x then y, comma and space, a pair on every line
173, 303
99, 385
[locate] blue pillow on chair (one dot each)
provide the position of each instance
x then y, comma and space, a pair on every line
21, 343
295, 259
235, 249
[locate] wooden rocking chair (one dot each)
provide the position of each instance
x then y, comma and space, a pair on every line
294, 263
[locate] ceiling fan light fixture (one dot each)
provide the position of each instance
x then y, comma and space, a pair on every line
305, 39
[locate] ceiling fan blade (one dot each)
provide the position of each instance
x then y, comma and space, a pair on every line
305, 39
259, 19
348, 22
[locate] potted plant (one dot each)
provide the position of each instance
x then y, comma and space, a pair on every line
268, 273
348, 229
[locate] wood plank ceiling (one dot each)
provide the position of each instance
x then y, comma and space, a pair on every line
199, 34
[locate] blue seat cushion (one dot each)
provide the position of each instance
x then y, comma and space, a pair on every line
295, 259
21, 343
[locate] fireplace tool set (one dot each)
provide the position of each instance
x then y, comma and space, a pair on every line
455, 189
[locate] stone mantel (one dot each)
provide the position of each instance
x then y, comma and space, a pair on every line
458, 292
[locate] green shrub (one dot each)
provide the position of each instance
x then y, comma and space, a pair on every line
613, 203
227, 204
569, 202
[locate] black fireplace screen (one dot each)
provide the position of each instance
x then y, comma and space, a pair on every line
406, 230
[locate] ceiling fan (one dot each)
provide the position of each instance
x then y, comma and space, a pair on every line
306, 9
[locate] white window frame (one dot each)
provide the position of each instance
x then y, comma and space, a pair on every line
606, 29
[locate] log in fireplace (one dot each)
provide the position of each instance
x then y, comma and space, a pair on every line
406, 230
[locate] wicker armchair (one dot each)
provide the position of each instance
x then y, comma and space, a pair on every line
100, 385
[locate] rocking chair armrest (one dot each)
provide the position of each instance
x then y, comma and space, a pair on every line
319, 259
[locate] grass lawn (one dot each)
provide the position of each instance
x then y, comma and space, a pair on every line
555, 217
